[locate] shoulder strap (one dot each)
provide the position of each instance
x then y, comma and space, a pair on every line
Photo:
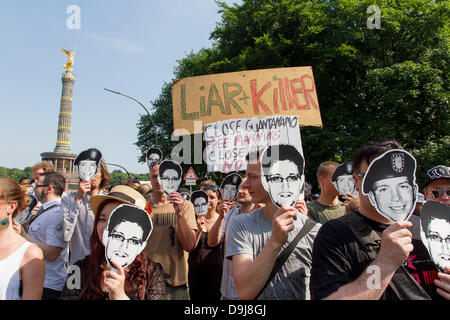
39, 213
282, 257
402, 283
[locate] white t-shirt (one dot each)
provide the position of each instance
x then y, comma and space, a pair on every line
48, 228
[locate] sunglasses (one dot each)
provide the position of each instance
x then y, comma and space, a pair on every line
437, 193
210, 187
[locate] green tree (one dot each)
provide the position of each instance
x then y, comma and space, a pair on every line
371, 83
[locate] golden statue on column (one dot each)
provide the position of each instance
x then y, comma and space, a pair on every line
70, 54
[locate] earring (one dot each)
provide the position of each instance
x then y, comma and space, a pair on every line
4, 223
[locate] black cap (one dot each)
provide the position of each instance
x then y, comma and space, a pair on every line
343, 170
435, 173
391, 164
89, 154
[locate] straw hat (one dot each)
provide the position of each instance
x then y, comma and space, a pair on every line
122, 193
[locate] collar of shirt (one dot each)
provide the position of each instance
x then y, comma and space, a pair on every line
50, 203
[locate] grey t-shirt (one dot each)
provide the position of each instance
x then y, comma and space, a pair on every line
249, 233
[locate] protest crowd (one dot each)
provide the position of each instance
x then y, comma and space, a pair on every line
259, 236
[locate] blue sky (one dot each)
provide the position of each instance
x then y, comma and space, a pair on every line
127, 46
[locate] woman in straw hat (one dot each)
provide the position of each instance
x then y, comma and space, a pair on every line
141, 280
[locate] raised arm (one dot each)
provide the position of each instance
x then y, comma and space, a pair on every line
215, 236
185, 235
250, 275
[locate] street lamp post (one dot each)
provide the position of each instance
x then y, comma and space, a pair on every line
140, 103
116, 165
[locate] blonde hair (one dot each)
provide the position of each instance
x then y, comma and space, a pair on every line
325, 168
11, 191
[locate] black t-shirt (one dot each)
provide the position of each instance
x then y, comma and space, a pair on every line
338, 259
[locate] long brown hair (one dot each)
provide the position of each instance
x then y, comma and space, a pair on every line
136, 279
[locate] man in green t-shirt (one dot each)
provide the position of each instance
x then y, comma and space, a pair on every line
328, 206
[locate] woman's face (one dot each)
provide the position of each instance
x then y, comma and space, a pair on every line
213, 200
104, 217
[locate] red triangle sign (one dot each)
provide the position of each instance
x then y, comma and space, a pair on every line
190, 175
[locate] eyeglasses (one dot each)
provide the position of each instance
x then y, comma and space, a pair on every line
120, 238
437, 193
210, 187
41, 185
200, 205
439, 240
169, 179
280, 179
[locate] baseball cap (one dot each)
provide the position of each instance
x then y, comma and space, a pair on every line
435, 173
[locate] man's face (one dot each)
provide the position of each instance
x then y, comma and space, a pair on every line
393, 197
345, 184
36, 174
124, 242
39, 189
284, 183
229, 192
438, 238
154, 179
170, 180
200, 206
252, 183
152, 159
87, 169
438, 190
243, 196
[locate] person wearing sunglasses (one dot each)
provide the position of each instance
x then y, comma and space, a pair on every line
437, 184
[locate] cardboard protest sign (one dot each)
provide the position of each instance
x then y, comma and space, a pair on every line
229, 141
282, 174
87, 164
230, 186
169, 176
200, 200
153, 156
25, 215
126, 234
343, 181
245, 94
390, 184
435, 232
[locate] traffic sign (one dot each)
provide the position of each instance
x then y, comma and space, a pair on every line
190, 175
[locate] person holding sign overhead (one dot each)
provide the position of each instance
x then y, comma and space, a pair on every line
142, 279
173, 235
78, 216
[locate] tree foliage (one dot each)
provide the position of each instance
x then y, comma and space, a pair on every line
371, 83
